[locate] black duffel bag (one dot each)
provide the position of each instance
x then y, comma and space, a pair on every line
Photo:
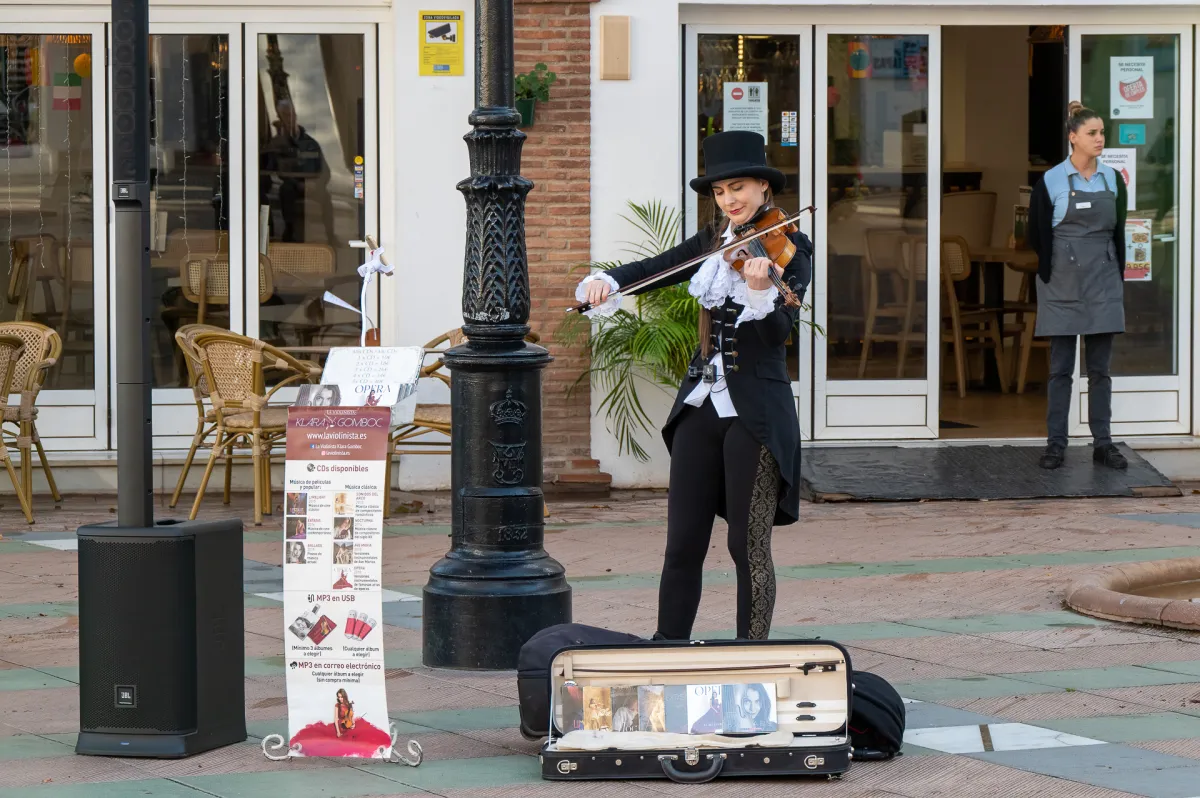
876, 717
533, 668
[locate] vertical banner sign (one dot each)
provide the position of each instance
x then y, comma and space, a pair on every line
332, 581
1132, 83
440, 42
1137, 250
1124, 163
746, 107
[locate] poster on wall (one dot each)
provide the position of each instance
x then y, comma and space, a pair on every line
440, 43
1132, 82
1137, 250
746, 107
368, 376
1124, 163
332, 582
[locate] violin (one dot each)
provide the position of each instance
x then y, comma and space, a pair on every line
773, 244
763, 237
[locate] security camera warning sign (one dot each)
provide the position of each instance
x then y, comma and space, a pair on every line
440, 45
332, 588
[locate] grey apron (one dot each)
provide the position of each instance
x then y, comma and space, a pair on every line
1086, 292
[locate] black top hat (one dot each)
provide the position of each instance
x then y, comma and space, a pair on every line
736, 153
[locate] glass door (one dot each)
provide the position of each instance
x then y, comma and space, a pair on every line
1139, 79
195, 212
312, 185
758, 78
53, 201
876, 269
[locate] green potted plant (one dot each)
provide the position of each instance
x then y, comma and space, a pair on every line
531, 87
650, 340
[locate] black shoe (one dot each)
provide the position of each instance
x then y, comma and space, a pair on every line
1109, 455
1052, 458
658, 636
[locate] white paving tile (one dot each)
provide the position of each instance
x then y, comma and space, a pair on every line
62, 544
1003, 736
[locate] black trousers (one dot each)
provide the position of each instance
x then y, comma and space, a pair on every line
713, 457
1097, 354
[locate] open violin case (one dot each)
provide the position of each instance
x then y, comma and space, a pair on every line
809, 683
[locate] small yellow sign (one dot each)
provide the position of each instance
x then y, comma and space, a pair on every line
440, 45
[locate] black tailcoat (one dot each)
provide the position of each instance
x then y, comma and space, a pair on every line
754, 356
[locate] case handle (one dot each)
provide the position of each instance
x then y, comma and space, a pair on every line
717, 761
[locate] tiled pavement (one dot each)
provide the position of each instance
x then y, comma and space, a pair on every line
959, 604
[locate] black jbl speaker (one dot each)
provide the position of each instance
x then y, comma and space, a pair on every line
161, 638
130, 91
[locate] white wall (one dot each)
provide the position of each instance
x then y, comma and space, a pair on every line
429, 121
636, 130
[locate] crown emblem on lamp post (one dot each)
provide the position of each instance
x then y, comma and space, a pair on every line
508, 410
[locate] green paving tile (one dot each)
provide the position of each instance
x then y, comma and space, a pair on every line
49, 609
1190, 667
456, 719
342, 782
1019, 622
1103, 678
402, 658
464, 774
410, 530
878, 630
251, 601
970, 564
1129, 728
46, 678
159, 788
264, 666
971, 687
34, 746
19, 547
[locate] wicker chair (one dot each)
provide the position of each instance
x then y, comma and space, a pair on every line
206, 418
11, 347
234, 366
410, 438
42, 350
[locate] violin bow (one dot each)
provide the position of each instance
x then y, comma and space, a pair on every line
654, 278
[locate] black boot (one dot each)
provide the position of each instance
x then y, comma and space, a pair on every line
1053, 457
1109, 455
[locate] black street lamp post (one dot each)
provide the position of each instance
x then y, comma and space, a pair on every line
496, 586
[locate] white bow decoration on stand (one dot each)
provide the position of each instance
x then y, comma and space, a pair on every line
376, 264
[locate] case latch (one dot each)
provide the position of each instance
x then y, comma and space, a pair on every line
691, 756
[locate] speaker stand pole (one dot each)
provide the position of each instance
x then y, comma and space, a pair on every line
131, 199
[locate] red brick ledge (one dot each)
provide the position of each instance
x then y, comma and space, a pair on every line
1103, 594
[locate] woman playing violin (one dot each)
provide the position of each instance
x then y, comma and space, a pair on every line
733, 433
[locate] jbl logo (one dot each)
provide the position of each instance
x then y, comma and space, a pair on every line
126, 696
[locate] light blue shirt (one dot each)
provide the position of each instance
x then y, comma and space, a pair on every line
1058, 184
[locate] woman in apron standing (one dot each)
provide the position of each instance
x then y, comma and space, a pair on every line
1077, 228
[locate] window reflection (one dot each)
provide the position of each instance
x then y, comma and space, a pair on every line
311, 201
753, 58
46, 210
1149, 345
878, 144
190, 200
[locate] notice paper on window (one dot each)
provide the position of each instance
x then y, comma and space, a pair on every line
746, 107
1137, 250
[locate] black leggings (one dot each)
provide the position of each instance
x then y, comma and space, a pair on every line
711, 457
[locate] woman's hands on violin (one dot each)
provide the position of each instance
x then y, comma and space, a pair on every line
757, 272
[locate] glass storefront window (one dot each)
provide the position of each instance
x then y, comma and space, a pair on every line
877, 167
311, 202
1146, 139
190, 200
772, 62
46, 205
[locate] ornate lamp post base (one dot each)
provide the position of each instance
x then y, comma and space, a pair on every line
497, 586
